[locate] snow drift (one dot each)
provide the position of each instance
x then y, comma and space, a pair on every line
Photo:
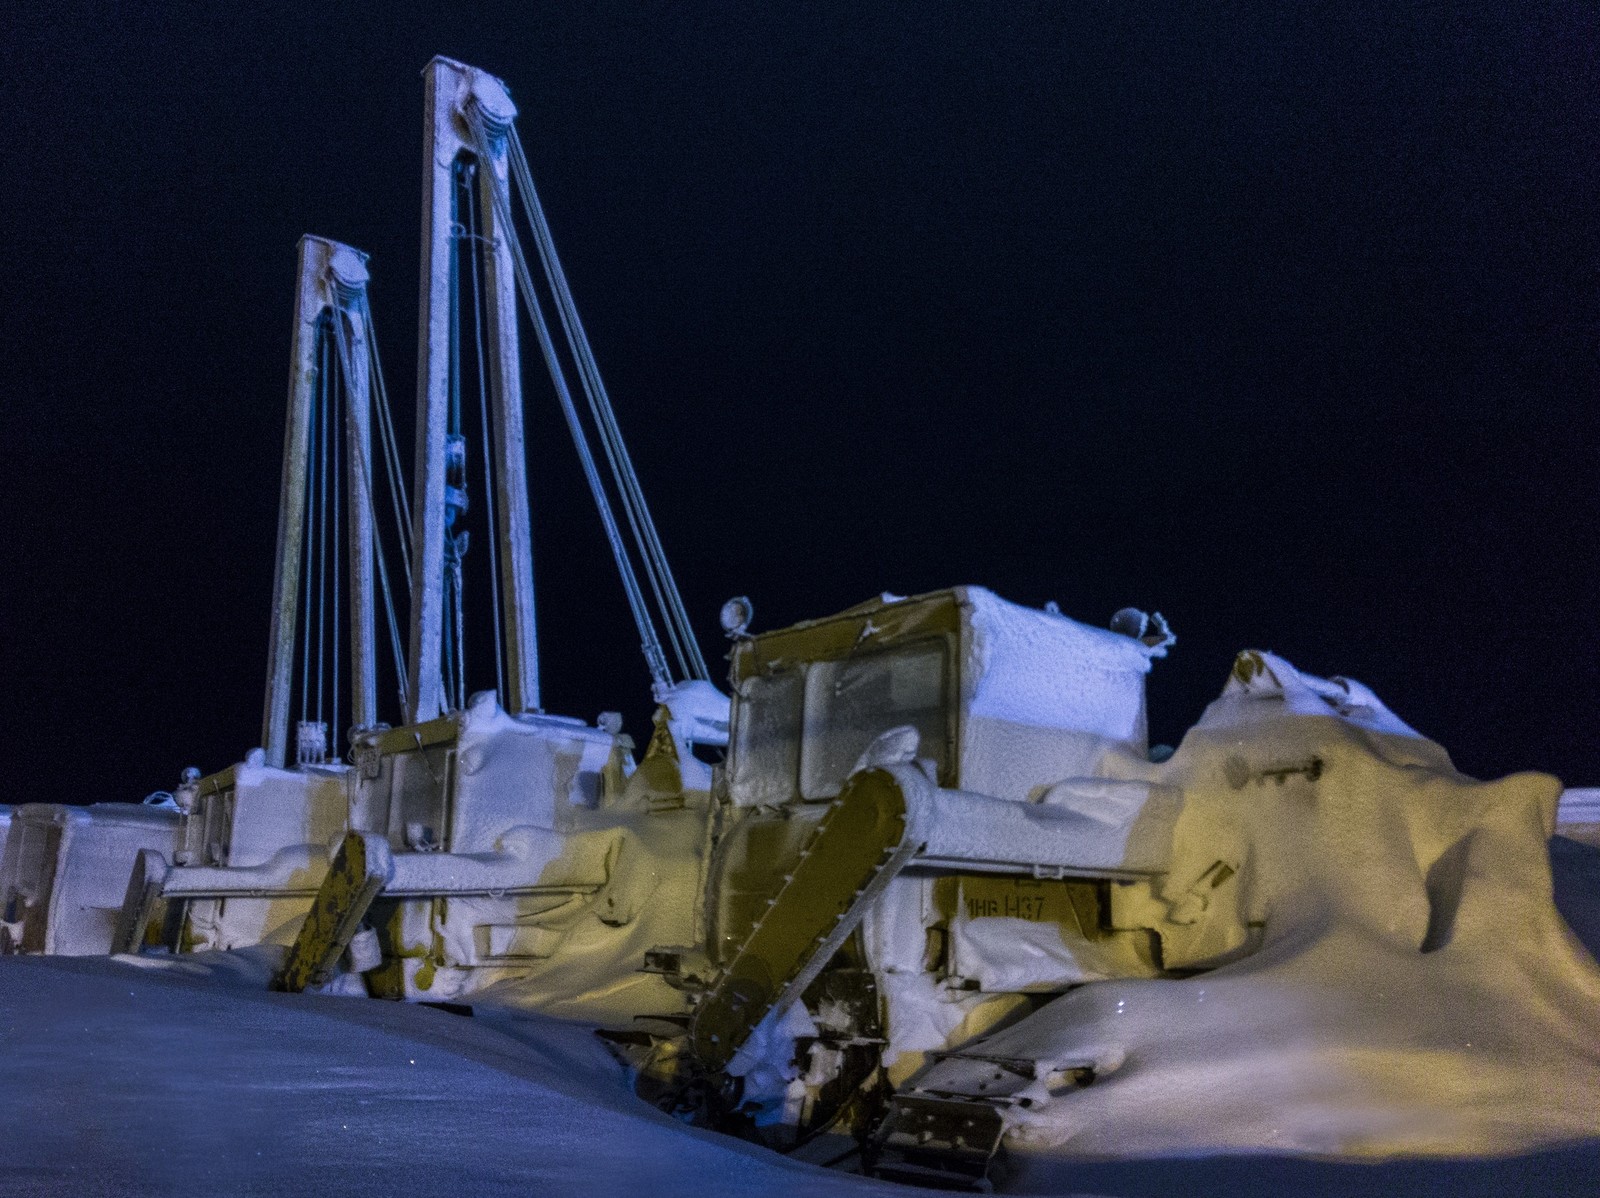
1415, 994
1416, 991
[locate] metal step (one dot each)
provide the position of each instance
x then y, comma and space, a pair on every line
943, 1143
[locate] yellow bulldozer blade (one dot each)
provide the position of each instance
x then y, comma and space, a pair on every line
859, 845
360, 870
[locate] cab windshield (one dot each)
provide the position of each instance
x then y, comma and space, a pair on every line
802, 730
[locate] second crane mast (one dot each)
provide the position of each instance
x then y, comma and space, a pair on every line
474, 163
451, 88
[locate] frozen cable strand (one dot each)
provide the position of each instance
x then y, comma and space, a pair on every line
399, 499
379, 555
651, 644
322, 524
469, 244
605, 417
334, 388
621, 469
308, 557
391, 448
454, 440
662, 581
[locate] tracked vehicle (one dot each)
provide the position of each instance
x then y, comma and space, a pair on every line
928, 821
922, 831
921, 820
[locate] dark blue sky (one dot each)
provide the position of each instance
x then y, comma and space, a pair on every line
1280, 319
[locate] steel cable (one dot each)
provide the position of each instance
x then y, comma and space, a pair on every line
365, 471
646, 537
470, 245
654, 657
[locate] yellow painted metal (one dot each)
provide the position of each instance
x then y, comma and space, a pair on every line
1073, 903
751, 857
873, 625
218, 782
396, 925
360, 870
858, 846
408, 737
658, 782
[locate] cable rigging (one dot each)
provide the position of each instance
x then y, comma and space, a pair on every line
623, 475
338, 470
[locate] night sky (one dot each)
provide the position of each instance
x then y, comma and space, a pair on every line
1280, 319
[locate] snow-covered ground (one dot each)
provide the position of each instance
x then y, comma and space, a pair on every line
1417, 1009
119, 1080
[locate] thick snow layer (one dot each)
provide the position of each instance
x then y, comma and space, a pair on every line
1417, 996
188, 1078
959, 828
1417, 992
1044, 696
1031, 666
1578, 815
125, 1081
185, 1077
698, 710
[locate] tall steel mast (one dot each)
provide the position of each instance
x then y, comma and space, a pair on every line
454, 89
332, 286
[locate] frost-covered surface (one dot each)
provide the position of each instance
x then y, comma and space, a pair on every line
1417, 991
71, 865
123, 1081
192, 1080
1092, 678
1578, 815
958, 827
1044, 695
1418, 1009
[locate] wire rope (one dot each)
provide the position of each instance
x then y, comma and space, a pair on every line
337, 386
555, 278
307, 543
654, 657
322, 521
471, 246
453, 562
643, 526
364, 470
391, 449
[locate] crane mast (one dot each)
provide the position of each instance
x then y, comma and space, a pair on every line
330, 295
451, 89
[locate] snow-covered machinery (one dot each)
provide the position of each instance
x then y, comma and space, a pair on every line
255, 838
934, 815
65, 868
440, 847
929, 821
931, 812
938, 815
843, 908
484, 832
239, 853
493, 847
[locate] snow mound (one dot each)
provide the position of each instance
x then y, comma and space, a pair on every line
1416, 993
124, 1081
